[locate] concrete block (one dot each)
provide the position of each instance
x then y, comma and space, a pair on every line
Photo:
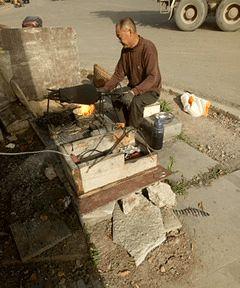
187, 161
149, 110
170, 220
140, 231
129, 202
161, 195
98, 215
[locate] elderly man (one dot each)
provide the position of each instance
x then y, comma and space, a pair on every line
139, 62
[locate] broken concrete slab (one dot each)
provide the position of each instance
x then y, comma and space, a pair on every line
187, 161
140, 231
161, 195
129, 202
170, 220
38, 235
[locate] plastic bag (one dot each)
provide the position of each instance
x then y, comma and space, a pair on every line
194, 105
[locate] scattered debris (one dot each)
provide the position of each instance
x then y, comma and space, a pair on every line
64, 203
12, 138
124, 273
10, 146
191, 211
50, 173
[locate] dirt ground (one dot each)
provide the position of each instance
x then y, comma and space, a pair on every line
217, 135
26, 193
169, 262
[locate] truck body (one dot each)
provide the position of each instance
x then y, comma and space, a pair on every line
190, 14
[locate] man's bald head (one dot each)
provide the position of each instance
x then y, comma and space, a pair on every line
127, 23
126, 32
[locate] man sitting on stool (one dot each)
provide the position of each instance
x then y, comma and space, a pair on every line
139, 62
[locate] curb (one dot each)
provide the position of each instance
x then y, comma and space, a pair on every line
224, 109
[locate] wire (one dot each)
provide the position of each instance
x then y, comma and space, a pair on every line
32, 152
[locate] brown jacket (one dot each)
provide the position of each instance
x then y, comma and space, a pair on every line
140, 65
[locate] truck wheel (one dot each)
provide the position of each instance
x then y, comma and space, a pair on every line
190, 14
228, 15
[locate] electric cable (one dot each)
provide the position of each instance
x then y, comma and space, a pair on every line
32, 152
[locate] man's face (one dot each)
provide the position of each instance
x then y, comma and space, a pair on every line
124, 35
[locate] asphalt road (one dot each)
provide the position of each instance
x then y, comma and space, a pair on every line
206, 61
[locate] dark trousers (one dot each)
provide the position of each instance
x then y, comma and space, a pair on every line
132, 115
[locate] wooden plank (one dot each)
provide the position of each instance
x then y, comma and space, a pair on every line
72, 172
114, 168
99, 197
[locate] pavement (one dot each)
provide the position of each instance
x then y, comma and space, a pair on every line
205, 61
215, 238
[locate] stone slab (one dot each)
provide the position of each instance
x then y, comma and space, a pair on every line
216, 238
38, 235
187, 161
140, 231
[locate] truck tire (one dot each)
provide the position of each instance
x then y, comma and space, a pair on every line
190, 14
228, 15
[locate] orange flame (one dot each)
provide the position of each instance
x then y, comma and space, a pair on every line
85, 110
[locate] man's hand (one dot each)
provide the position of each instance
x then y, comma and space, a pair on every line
127, 98
102, 90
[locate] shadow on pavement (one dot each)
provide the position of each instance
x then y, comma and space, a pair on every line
153, 19
142, 18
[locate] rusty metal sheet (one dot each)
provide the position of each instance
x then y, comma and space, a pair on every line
114, 191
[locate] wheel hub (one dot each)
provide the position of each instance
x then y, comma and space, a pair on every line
189, 13
232, 13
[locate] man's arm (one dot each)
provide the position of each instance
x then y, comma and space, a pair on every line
153, 78
117, 77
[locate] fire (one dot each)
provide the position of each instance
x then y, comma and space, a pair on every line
84, 110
